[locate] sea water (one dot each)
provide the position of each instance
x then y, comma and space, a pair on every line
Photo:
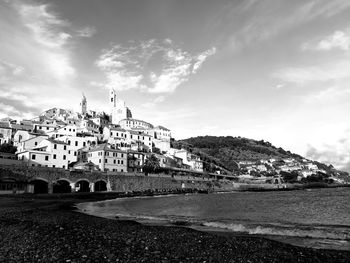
318, 218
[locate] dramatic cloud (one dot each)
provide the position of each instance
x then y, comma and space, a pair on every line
152, 66
338, 40
336, 154
36, 70
153, 103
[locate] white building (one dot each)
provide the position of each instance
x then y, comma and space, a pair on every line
108, 159
119, 110
188, 159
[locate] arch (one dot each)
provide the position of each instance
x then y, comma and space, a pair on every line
41, 186
100, 186
62, 186
82, 186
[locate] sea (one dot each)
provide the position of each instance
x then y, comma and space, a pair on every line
317, 218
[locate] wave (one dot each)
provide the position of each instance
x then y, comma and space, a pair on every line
336, 233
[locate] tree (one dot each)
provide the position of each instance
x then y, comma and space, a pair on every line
8, 148
151, 165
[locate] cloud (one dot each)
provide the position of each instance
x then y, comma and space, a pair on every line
151, 66
322, 73
337, 155
338, 40
86, 32
153, 103
36, 67
267, 19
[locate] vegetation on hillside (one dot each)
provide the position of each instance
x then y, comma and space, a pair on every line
227, 151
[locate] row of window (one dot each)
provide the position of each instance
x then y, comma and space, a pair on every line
110, 154
54, 156
114, 161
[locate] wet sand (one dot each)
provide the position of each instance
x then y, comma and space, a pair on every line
45, 228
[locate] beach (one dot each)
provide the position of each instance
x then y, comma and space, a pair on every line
45, 228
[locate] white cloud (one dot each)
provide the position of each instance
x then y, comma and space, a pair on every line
36, 70
87, 32
152, 66
338, 40
303, 75
153, 103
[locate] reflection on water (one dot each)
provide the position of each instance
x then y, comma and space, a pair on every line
319, 218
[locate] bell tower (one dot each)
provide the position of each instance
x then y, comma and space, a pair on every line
83, 105
112, 98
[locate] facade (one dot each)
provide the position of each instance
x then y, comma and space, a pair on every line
108, 159
5, 134
49, 153
119, 110
130, 123
136, 161
83, 105
189, 159
30, 143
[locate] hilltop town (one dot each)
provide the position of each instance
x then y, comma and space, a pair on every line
115, 142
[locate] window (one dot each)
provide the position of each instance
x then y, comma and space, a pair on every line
76, 143
114, 161
53, 166
33, 156
84, 144
64, 147
46, 158
36, 143
106, 161
99, 160
64, 157
54, 156
122, 155
122, 170
121, 162
55, 146
63, 166
75, 153
118, 161
69, 152
69, 142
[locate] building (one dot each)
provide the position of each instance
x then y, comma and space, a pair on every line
108, 159
30, 143
49, 153
136, 160
83, 105
119, 110
188, 159
130, 123
5, 134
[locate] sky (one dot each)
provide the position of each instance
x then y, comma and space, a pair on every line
276, 70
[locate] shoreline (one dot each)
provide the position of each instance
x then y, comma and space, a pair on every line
45, 228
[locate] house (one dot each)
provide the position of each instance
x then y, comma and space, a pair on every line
5, 134
189, 159
136, 160
49, 153
108, 158
30, 143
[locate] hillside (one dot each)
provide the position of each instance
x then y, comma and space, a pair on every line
227, 151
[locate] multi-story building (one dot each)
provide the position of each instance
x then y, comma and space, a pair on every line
108, 159
5, 134
136, 161
49, 153
188, 159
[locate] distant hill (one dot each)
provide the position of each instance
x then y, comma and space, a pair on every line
227, 151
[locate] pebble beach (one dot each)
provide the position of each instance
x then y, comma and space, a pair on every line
46, 228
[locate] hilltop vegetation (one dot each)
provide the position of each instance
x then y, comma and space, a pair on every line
226, 151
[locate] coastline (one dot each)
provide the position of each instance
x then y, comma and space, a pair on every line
45, 228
